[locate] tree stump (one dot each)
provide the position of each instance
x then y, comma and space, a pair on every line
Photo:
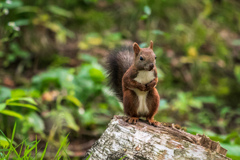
145, 142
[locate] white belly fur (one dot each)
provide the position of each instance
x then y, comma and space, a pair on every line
142, 97
143, 77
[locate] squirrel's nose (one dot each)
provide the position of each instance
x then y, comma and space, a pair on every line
151, 66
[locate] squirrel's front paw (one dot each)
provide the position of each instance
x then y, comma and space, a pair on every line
147, 87
150, 85
142, 88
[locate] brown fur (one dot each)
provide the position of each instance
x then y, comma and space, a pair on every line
130, 98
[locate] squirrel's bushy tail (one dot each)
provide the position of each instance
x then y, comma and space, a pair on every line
117, 64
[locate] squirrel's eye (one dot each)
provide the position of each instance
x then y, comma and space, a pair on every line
155, 57
141, 58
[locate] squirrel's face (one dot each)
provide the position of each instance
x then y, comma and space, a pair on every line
145, 58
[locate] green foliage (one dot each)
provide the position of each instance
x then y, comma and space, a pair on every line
73, 107
34, 121
4, 142
92, 40
147, 11
4, 93
8, 148
237, 72
63, 144
56, 78
16, 53
53, 51
16, 102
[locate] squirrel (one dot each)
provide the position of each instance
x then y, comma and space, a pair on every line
132, 74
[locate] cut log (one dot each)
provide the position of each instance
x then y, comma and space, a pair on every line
145, 142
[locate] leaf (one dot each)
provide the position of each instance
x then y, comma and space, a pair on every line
27, 99
22, 22
96, 74
87, 58
34, 93
11, 113
59, 11
143, 17
157, 32
114, 37
61, 36
94, 39
28, 9
12, 4
16, 49
74, 100
87, 117
70, 121
224, 111
195, 103
192, 52
237, 72
59, 78
11, 142
207, 99
44, 152
4, 142
123, 157
143, 45
4, 93
83, 45
233, 150
2, 106
27, 151
23, 105
63, 143
147, 10
18, 93
89, 156
36, 122
195, 129
231, 136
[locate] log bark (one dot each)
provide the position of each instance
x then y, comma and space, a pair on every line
145, 142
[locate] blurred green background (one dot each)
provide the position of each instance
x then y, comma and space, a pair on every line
53, 84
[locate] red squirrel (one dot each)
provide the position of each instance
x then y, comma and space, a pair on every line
133, 76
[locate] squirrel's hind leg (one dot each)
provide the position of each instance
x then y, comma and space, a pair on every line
153, 99
130, 103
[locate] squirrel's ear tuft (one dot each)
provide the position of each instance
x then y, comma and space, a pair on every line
151, 44
136, 48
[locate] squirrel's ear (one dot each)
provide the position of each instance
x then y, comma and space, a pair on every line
151, 45
136, 48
